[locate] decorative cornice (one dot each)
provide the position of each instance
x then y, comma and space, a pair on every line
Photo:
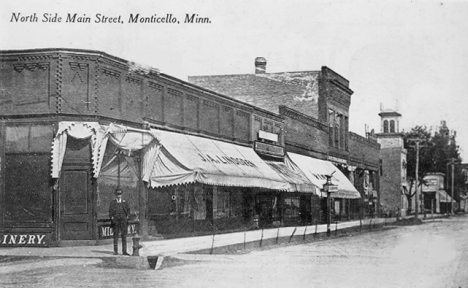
242, 114
133, 80
155, 86
296, 115
342, 87
363, 140
35, 57
80, 66
31, 66
192, 98
110, 73
228, 109
210, 104
174, 92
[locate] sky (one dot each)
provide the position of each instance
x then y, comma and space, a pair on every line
405, 55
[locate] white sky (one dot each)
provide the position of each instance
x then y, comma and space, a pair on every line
415, 52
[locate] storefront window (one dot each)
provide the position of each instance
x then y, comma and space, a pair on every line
17, 139
28, 191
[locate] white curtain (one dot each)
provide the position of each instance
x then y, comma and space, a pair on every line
125, 138
78, 130
130, 139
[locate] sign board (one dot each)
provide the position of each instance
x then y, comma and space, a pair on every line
269, 149
268, 136
337, 160
25, 239
330, 188
106, 231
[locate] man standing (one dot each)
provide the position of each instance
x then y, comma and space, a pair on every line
119, 211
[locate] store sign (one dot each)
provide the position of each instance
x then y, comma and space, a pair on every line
222, 159
337, 160
24, 240
431, 185
106, 230
268, 136
269, 149
330, 188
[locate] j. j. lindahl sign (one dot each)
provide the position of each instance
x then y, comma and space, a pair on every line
24, 240
226, 160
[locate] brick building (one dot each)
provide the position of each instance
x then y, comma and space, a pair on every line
315, 106
76, 124
393, 183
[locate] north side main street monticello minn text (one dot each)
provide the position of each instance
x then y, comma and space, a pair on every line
132, 18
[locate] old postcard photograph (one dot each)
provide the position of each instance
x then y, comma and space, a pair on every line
308, 143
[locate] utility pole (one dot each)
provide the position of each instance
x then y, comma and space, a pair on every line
452, 163
453, 174
417, 142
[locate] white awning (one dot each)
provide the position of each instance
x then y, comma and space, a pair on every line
186, 159
297, 180
444, 197
316, 169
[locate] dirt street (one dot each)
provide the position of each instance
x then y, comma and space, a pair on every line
434, 254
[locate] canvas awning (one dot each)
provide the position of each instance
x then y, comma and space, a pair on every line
184, 159
444, 197
297, 180
316, 169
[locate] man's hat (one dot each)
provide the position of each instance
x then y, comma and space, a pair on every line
118, 191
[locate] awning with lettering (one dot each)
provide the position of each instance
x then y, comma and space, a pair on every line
296, 179
184, 159
316, 169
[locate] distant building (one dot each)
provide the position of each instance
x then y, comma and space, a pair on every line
393, 182
435, 198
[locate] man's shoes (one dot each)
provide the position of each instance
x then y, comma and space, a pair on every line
126, 254
116, 253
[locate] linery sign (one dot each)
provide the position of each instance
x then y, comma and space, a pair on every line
24, 240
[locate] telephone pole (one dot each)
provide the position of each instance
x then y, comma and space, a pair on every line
417, 145
452, 163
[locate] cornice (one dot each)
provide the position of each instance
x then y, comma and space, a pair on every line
296, 115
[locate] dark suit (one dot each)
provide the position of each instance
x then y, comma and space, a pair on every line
119, 213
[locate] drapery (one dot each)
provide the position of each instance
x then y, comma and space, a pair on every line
79, 130
125, 138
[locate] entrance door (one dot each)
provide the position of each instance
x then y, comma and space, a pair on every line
76, 206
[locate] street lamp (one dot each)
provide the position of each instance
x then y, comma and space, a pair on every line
329, 188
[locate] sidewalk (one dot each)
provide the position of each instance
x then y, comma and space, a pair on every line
152, 250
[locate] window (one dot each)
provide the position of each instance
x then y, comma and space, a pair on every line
392, 126
29, 138
28, 192
331, 124
385, 126
346, 123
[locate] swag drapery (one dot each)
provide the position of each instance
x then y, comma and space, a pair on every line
126, 139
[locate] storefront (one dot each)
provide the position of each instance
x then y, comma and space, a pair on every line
316, 171
200, 184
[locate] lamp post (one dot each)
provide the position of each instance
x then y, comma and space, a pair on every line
328, 187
